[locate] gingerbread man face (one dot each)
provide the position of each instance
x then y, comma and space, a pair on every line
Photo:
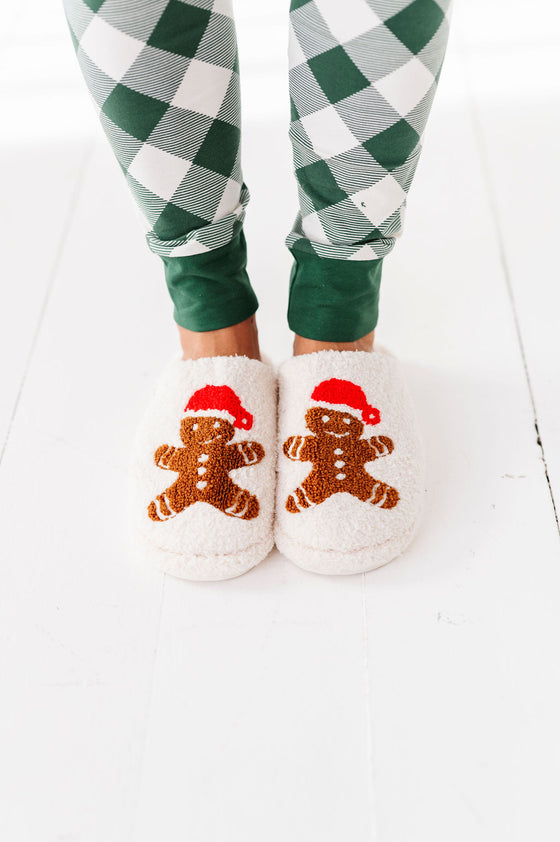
337, 451
322, 420
206, 429
209, 454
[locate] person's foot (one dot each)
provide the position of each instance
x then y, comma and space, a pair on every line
308, 346
240, 339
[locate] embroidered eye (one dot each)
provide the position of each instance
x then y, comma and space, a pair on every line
217, 424
326, 418
195, 426
346, 420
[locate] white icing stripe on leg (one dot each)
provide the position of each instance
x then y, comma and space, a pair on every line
242, 497
295, 447
248, 453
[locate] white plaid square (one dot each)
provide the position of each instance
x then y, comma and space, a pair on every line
348, 19
202, 88
328, 133
380, 200
365, 252
222, 7
404, 88
295, 53
159, 171
312, 228
109, 48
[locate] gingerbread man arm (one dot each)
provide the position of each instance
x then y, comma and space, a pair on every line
241, 453
300, 448
169, 457
375, 447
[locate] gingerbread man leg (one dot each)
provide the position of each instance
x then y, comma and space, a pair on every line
377, 493
235, 501
310, 493
170, 503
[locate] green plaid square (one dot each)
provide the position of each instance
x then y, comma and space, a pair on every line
416, 24
180, 29
133, 112
337, 74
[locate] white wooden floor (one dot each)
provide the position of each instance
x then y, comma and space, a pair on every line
419, 703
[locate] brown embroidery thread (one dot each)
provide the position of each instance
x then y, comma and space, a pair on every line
338, 455
208, 456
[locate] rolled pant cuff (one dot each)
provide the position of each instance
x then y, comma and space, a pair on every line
333, 300
211, 290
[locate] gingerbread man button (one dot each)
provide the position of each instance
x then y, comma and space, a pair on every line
337, 450
208, 455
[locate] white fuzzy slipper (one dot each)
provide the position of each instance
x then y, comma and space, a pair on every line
350, 468
203, 468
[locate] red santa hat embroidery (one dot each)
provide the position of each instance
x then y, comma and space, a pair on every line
346, 396
220, 400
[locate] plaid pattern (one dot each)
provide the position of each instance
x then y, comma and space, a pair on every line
164, 77
363, 74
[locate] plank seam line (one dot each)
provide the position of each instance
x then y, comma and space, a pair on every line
133, 818
48, 291
368, 715
486, 171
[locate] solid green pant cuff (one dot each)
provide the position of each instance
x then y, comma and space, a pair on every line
211, 290
333, 300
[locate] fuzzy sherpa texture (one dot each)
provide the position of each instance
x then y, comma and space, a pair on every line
317, 526
201, 501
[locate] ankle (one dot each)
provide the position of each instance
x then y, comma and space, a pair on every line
308, 346
237, 340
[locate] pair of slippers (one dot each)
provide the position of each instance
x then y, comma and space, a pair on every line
322, 457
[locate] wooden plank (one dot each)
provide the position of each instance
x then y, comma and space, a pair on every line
79, 621
43, 150
258, 720
33, 231
524, 183
462, 629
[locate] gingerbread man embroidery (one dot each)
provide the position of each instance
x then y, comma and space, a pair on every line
208, 455
337, 450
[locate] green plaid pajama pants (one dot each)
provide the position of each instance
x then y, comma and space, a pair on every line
164, 77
